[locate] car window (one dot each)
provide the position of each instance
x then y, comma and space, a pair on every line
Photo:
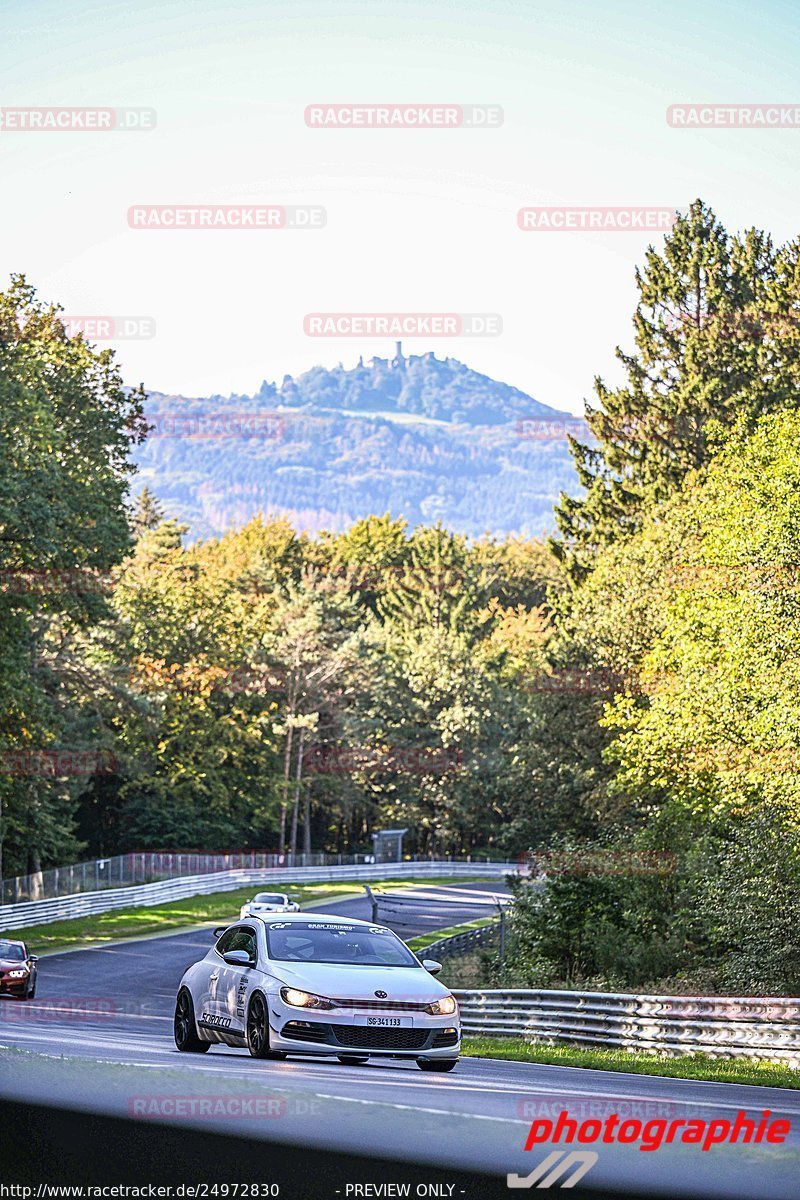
357, 945
269, 898
239, 938
12, 952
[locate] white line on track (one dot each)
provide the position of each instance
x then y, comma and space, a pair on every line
54, 1011
437, 1112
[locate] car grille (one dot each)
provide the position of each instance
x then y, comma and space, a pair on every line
381, 1039
306, 1031
358, 1036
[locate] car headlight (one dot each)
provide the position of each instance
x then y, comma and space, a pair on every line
299, 999
18, 974
441, 1008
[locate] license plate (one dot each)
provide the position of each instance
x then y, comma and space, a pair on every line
386, 1022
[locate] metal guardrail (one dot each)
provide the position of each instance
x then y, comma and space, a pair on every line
754, 1027
151, 865
42, 912
463, 943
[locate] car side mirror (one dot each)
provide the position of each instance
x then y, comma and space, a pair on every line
238, 958
432, 966
33, 958
218, 932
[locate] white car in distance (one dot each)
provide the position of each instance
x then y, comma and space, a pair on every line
268, 902
310, 984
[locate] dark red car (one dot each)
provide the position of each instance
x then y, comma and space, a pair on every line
17, 970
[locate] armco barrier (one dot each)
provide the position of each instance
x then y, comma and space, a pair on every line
42, 912
151, 866
762, 1028
463, 943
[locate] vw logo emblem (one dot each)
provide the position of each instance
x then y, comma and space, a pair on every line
381, 995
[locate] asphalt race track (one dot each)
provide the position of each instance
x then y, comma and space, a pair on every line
98, 1036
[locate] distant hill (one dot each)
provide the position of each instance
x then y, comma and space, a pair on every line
419, 437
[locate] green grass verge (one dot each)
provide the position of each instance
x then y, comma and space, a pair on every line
175, 915
693, 1066
427, 939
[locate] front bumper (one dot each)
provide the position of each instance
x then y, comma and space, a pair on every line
15, 987
297, 1032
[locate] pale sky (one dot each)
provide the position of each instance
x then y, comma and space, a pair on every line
417, 221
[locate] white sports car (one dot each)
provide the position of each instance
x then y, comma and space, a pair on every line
317, 984
267, 902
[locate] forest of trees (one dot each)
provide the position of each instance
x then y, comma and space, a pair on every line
426, 437
625, 697
264, 690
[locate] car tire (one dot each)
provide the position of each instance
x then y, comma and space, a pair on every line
257, 1029
184, 1027
353, 1060
437, 1064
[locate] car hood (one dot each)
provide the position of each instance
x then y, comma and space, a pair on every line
9, 965
360, 983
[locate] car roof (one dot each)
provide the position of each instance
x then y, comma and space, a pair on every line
12, 941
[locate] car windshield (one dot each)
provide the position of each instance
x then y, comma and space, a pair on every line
357, 945
12, 952
269, 898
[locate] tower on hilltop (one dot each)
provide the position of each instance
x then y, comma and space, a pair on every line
398, 360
